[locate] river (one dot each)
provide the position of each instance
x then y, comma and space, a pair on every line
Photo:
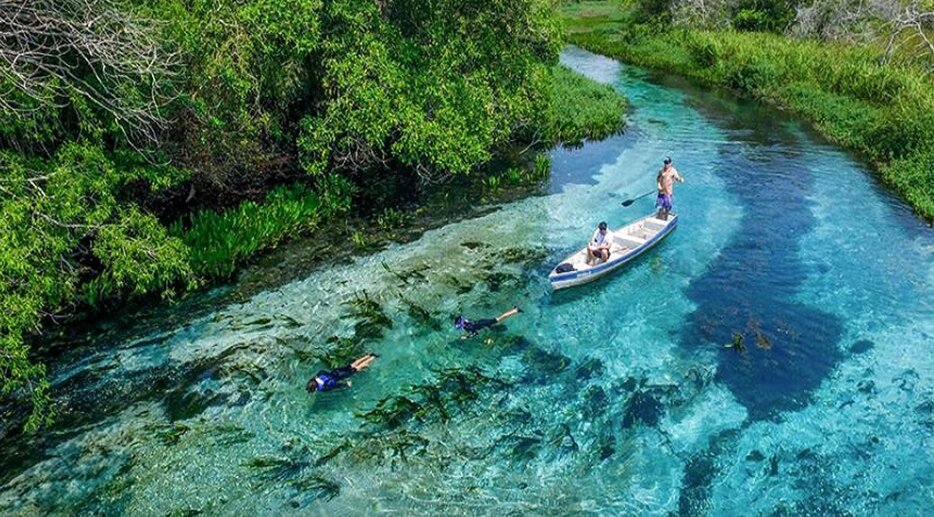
618, 397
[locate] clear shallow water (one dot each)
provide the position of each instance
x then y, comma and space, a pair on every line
606, 399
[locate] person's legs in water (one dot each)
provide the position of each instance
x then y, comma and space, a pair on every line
363, 362
510, 312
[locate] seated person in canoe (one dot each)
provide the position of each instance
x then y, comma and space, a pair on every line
472, 327
327, 380
599, 246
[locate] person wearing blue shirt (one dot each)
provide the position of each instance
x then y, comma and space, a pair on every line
327, 380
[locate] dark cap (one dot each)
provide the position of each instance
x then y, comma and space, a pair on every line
667, 160
602, 225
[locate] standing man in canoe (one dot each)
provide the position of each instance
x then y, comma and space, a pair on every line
665, 181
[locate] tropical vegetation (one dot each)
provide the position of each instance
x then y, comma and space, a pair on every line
149, 146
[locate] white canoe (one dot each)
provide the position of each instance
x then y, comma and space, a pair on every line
629, 242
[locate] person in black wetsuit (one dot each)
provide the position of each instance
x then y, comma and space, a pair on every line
473, 327
327, 380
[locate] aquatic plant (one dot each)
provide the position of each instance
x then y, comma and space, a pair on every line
590, 367
371, 318
460, 286
275, 467
607, 445
542, 167
492, 184
314, 487
642, 407
414, 275
359, 240
521, 448
226, 435
391, 219
171, 434
496, 280
562, 439
421, 316
431, 401
582, 109
472, 245
594, 402
543, 364
258, 322
219, 241
341, 350
737, 343
323, 460
531, 255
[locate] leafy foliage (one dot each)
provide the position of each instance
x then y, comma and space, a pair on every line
294, 102
581, 109
67, 236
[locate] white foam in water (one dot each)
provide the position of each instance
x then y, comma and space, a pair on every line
564, 434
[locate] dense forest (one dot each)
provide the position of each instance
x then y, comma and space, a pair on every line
148, 146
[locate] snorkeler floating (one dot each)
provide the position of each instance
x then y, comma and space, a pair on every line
327, 380
473, 327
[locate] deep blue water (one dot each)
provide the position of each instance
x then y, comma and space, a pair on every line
618, 397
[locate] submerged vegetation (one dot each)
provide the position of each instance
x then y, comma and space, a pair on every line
860, 96
147, 147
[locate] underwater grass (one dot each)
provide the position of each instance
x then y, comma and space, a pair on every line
884, 112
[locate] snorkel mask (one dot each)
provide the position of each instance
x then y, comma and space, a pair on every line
459, 324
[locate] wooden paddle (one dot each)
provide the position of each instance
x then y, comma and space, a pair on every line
633, 200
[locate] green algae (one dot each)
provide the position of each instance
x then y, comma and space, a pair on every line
431, 401
737, 343
411, 276
371, 318
589, 368
421, 316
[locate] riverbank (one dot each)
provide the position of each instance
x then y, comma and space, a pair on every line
208, 246
579, 109
885, 113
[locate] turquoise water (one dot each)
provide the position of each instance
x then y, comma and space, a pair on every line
617, 397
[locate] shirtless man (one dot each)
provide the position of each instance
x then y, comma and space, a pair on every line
665, 181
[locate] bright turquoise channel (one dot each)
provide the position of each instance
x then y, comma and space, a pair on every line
615, 398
